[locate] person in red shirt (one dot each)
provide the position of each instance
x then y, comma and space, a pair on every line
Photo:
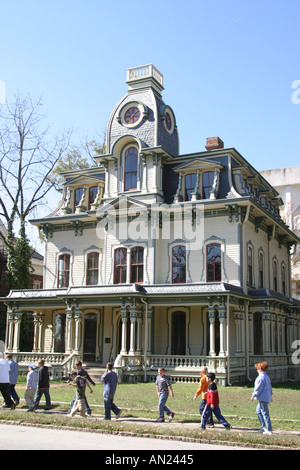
212, 403
202, 389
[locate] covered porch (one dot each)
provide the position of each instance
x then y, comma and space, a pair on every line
143, 327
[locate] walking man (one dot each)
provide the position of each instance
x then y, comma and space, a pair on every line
110, 380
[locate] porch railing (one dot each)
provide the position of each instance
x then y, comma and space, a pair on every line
60, 364
180, 368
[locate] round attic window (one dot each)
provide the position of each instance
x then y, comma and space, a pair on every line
168, 121
132, 115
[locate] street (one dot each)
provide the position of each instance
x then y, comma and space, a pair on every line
16, 437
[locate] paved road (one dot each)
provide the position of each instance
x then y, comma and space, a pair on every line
16, 437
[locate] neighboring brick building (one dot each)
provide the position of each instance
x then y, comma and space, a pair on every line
154, 257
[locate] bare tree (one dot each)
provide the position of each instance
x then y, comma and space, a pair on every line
28, 155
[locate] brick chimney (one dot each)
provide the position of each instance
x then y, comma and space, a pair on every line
214, 143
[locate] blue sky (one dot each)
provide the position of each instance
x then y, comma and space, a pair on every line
228, 66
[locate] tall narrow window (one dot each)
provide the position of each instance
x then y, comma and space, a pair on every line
92, 273
178, 334
283, 279
261, 270
207, 182
213, 262
250, 266
92, 195
60, 333
275, 278
178, 264
63, 271
137, 264
120, 266
77, 197
257, 333
130, 174
190, 184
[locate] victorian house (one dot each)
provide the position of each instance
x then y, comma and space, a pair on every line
157, 258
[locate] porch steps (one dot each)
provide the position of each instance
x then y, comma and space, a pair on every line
95, 373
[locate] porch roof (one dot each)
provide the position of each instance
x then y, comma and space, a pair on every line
122, 290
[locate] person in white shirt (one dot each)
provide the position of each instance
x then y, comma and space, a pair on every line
31, 386
4, 383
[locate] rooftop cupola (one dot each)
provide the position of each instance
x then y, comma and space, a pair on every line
144, 76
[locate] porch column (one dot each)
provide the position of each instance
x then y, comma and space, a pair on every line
239, 319
17, 327
133, 318
290, 336
10, 330
149, 320
139, 332
250, 330
40, 329
78, 329
222, 319
211, 317
283, 347
267, 332
69, 318
124, 330
36, 332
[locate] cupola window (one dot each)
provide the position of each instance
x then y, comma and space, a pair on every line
130, 174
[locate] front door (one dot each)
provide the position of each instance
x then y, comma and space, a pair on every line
90, 336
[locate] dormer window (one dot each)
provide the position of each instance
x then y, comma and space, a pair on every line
190, 184
93, 190
207, 183
130, 173
77, 197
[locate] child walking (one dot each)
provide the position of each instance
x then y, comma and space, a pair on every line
212, 403
79, 404
202, 390
163, 384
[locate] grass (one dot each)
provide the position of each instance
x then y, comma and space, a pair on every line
140, 401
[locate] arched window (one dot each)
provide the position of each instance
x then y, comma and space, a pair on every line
178, 338
92, 271
250, 266
190, 184
63, 271
178, 264
60, 333
275, 277
137, 264
207, 182
120, 266
213, 262
260, 270
130, 173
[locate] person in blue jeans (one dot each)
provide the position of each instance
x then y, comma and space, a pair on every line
263, 393
163, 384
83, 373
110, 380
13, 379
43, 386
